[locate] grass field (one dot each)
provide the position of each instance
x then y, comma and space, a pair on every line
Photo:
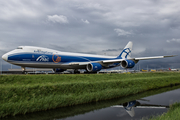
20, 94
64, 112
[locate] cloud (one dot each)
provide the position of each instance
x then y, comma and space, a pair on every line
120, 49
85, 21
173, 40
121, 32
94, 26
58, 19
95, 6
12, 10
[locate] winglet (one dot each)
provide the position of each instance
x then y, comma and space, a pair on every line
126, 53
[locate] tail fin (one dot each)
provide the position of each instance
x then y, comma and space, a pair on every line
126, 53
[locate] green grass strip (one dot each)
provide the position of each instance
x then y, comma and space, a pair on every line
172, 114
20, 94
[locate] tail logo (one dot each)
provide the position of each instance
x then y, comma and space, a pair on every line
125, 52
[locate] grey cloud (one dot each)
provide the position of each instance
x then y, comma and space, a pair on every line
62, 48
158, 63
113, 49
85, 21
153, 26
57, 18
121, 32
173, 40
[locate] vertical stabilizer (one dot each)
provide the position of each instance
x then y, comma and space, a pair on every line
126, 53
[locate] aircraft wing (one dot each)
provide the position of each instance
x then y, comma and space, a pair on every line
155, 57
117, 60
137, 59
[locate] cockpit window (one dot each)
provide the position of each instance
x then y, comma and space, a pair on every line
19, 48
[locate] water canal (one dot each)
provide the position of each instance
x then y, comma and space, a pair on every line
132, 107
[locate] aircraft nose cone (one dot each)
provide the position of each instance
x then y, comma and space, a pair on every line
5, 57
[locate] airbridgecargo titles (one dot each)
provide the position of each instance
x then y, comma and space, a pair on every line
38, 57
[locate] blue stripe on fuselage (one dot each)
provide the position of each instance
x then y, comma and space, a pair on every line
52, 58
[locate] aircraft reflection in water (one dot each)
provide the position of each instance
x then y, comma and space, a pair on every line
129, 106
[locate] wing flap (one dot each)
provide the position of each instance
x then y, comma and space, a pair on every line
113, 61
78, 63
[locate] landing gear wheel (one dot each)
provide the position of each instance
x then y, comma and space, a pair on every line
76, 72
23, 70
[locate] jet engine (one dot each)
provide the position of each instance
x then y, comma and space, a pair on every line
127, 64
93, 67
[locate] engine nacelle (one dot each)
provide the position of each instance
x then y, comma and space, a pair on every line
127, 64
59, 70
93, 67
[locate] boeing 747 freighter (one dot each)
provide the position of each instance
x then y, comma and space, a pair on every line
38, 57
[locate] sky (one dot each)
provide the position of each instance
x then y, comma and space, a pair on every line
95, 27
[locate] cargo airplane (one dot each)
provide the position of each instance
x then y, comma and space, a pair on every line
38, 57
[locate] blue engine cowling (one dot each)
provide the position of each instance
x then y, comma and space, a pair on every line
127, 64
93, 67
59, 70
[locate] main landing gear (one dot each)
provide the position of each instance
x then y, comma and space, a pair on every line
76, 71
23, 70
